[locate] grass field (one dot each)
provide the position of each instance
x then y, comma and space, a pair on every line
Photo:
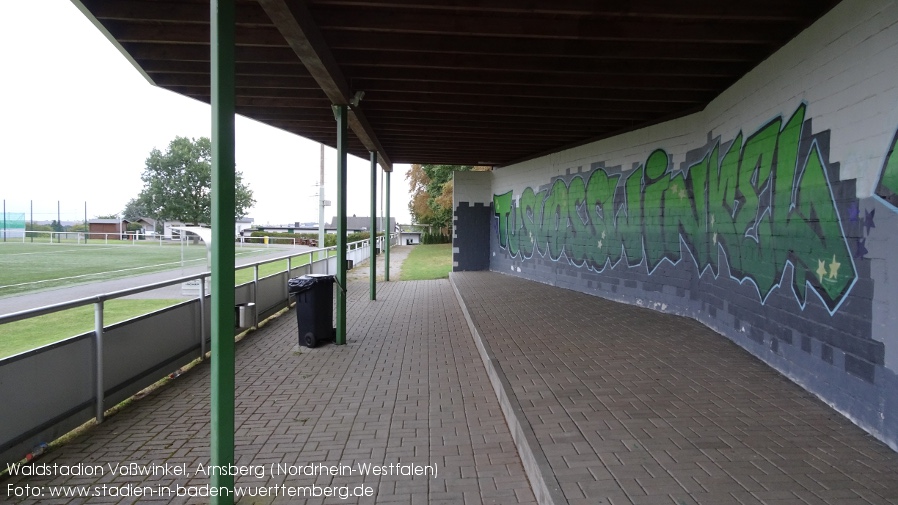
26, 267
425, 262
22, 336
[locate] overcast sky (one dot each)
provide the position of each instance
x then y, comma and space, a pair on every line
78, 122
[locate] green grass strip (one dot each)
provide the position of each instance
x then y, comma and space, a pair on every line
28, 334
425, 262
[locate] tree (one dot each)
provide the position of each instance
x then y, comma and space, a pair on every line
431, 189
177, 184
135, 210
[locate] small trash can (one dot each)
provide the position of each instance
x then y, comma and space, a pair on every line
314, 307
244, 315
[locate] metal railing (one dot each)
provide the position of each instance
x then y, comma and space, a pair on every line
50, 390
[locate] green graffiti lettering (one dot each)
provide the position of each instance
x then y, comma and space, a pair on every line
752, 220
659, 239
580, 236
785, 180
686, 209
629, 218
531, 213
819, 259
600, 208
756, 204
502, 206
722, 204
555, 223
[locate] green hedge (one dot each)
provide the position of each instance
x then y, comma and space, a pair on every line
435, 238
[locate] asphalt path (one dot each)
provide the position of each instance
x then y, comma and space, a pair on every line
50, 296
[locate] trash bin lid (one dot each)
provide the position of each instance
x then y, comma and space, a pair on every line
306, 282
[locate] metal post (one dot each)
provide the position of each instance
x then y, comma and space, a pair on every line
223, 217
340, 114
86, 230
321, 202
387, 232
203, 318
373, 252
4, 219
99, 391
255, 294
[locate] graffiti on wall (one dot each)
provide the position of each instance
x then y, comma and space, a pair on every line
760, 204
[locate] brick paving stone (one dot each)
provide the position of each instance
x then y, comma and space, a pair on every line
661, 409
408, 388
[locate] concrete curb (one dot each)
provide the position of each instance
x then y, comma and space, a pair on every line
542, 480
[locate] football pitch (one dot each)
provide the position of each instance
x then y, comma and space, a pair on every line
27, 267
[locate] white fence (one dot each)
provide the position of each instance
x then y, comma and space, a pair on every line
48, 391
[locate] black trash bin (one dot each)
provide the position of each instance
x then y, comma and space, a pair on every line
314, 307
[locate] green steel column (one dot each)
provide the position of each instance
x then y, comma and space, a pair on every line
223, 180
373, 246
387, 233
340, 112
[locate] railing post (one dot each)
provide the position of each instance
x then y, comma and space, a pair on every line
202, 318
99, 391
255, 295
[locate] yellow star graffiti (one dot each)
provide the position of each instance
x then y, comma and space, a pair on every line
834, 268
821, 270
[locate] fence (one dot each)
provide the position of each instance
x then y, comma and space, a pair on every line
48, 391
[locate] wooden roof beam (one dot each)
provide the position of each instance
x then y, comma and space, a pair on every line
299, 30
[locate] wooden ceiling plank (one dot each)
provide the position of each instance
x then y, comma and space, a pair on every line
247, 13
557, 82
761, 10
534, 92
461, 23
354, 62
354, 40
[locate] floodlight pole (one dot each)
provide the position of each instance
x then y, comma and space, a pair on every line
222, 23
321, 230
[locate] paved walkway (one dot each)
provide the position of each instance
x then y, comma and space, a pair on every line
624, 405
609, 404
407, 388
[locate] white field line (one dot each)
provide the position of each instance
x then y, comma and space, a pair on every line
54, 252
106, 272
